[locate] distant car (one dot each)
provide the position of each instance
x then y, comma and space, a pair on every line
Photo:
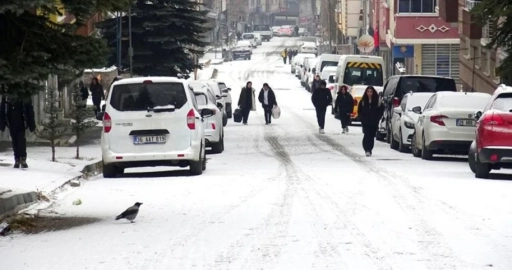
303, 32
251, 38
447, 123
308, 47
298, 59
226, 91
242, 50
259, 38
219, 96
213, 128
285, 32
492, 148
404, 120
152, 121
275, 30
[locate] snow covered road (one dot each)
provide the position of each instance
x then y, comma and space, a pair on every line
284, 197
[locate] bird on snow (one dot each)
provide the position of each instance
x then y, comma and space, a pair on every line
130, 213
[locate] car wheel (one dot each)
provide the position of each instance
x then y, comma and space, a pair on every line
224, 119
109, 171
394, 143
426, 154
229, 110
196, 167
218, 147
482, 170
388, 133
402, 148
414, 149
472, 157
203, 164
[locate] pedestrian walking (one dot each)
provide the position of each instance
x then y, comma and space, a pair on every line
370, 112
290, 55
344, 106
267, 98
246, 102
321, 98
84, 93
296, 30
18, 116
97, 94
315, 84
284, 54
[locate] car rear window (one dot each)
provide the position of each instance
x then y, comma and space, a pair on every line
201, 99
358, 91
503, 102
261, 28
248, 36
426, 84
328, 64
222, 86
466, 101
140, 97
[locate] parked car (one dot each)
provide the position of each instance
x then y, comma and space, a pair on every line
398, 86
275, 30
264, 30
152, 121
492, 148
219, 96
447, 123
285, 32
251, 38
309, 47
310, 72
227, 92
328, 75
259, 38
404, 120
301, 68
298, 59
357, 91
213, 127
242, 50
303, 32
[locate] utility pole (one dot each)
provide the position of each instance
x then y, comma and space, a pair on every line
227, 22
119, 41
130, 48
329, 12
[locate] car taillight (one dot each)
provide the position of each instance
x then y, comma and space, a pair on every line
492, 119
107, 123
355, 102
396, 102
213, 126
438, 119
191, 119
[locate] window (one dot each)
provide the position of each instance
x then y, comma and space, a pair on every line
211, 97
194, 101
487, 70
426, 84
364, 76
140, 97
503, 102
468, 48
201, 99
404, 103
417, 6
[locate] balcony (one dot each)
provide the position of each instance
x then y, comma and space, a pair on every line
448, 10
470, 29
469, 4
487, 33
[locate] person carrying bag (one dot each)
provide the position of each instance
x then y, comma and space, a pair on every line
267, 98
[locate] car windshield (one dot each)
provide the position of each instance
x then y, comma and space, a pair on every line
201, 99
140, 96
426, 84
261, 28
417, 100
503, 102
366, 75
464, 101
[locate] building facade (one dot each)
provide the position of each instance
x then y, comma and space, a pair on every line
477, 64
418, 37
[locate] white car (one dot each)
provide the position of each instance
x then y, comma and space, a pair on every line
447, 124
259, 39
301, 68
308, 47
404, 119
275, 30
219, 96
213, 128
251, 38
298, 60
226, 92
311, 72
152, 121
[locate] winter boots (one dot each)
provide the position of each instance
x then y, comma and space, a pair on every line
16, 163
20, 162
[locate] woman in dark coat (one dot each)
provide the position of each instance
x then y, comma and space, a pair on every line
245, 102
344, 106
97, 94
370, 112
267, 99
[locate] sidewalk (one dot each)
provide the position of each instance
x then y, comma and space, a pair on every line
20, 188
214, 55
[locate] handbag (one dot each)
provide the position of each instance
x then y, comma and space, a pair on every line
237, 115
276, 112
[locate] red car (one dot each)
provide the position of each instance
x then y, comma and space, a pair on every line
492, 148
285, 32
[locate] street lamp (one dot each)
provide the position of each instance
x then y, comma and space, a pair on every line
130, 48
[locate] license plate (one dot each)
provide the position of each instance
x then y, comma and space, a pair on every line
466, 123
149, 139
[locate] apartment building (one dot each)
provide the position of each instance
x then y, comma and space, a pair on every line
477, 64
420, 35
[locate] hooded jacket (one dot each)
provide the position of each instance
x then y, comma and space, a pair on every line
19, 114
321, 97
344, 103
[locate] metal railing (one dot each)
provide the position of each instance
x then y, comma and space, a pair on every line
471, 4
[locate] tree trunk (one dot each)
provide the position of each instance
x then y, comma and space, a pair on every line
77, 145
52, 144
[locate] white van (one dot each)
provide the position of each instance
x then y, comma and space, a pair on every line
361, 70
251, 38
327, 60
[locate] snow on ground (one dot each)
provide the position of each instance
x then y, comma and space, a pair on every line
284, 197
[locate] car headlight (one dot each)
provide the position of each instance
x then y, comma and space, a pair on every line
408, 124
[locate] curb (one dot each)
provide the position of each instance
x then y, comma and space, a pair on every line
18, 202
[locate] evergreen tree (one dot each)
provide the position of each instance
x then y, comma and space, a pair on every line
82, 117
499, 14
53, 127
165, 36
33, 47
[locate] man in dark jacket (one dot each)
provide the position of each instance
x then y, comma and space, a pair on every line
17, 115
84, 93
245, 101
267, 99
344, 106
315, 84
321, 98
97, 94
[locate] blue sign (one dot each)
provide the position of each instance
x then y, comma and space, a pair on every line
403, 51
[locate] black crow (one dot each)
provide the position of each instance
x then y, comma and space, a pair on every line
130, 213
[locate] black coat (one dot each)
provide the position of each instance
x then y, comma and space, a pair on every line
97, 91
18, 114
344, 103
315, 85
271, 97
245, 100
321, 97
370, 113
84, 92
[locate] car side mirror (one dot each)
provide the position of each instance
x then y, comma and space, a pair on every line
229, 89
205, 113
219, 105
99, 116
417, 109
224, 95
478, 114
398, 110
